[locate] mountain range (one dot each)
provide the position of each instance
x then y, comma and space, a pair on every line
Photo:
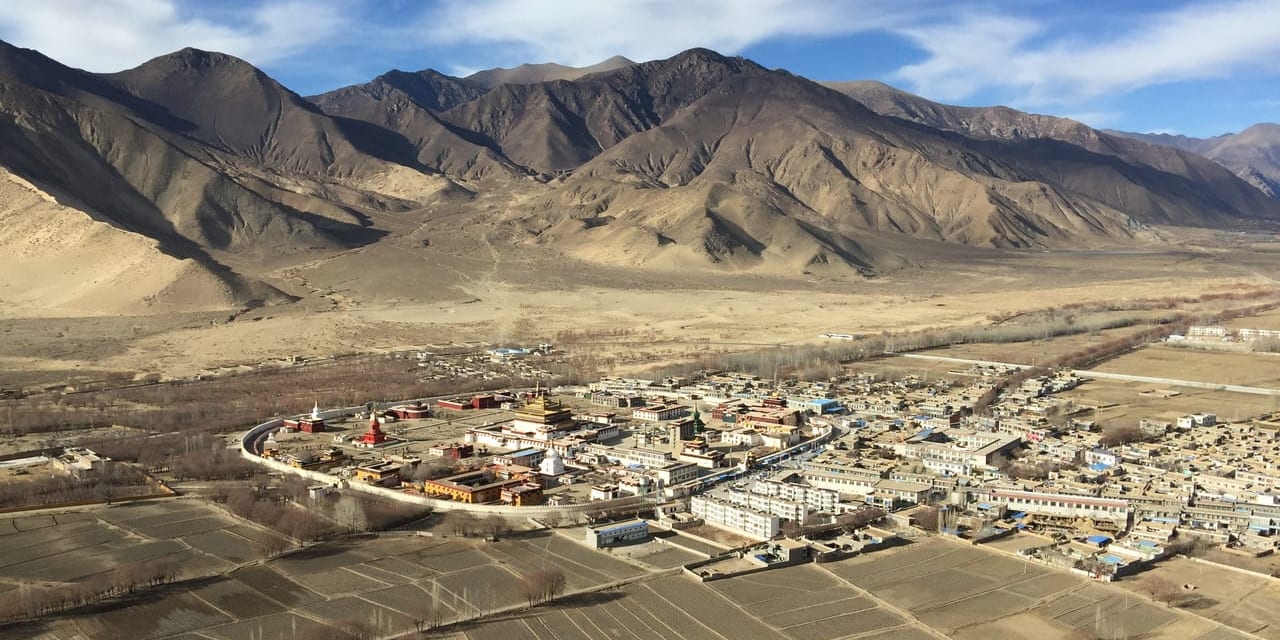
216, 177
1253, 154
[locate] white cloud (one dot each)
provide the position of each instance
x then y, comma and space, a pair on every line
981, 52
110, 35
581, 32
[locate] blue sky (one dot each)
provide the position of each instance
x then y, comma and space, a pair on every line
1193, 67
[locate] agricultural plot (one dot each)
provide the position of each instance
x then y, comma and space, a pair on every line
1129, 402
969, 592
72, 547
376, 585
1219, 367
1236, 599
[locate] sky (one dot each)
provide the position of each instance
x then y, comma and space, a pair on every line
1190, 67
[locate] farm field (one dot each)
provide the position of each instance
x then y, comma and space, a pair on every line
1030, 353
1129, 402
1233, 598
378, 584
1224, 367
69, 547
930, 589
1265, 320
969, 592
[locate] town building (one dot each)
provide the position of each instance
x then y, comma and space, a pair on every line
616, 533
660, 412
474, 487
738, 518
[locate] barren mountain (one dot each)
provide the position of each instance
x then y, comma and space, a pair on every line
773, 171
1153, 182
100, 145
1253, 154
546, 72
556, 126
201, 164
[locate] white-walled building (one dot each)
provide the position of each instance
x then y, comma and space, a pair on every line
744, 520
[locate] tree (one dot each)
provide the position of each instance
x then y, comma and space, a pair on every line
927, 518
495, 525
1160, 589
266, 545
460, 523
541, 586
350, 514
553, 519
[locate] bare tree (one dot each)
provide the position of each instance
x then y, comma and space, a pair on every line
267, 545
927, 518
350, 514
541, 586
495, 525
460, 523
1160, 589
553, 519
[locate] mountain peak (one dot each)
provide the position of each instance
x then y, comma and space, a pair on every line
198, 60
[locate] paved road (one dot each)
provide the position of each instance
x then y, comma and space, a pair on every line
1120, 377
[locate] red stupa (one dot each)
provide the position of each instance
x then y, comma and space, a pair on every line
374, 435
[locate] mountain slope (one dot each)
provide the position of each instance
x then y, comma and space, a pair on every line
1154, 183
546, 72
142, 168
61, 259
556, 126
428, 89
772, 172
232, 106
1253, 154
407, 104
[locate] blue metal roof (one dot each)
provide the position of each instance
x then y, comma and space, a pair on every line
1098, 539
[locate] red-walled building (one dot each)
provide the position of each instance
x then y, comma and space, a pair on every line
305, 425
410, 412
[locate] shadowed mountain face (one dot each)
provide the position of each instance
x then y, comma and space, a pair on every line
1253, 154
699, 161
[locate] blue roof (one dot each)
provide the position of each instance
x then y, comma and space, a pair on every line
1019, 515
1110, 559
622, 525
824, 401
1098, 539
525, 452
1099, 466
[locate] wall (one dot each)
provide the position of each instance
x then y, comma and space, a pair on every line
250, 436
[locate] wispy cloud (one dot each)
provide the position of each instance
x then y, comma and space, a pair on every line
977, 52
110, 35
583, 32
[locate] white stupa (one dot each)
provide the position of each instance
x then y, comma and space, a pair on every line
551, 465
315, 412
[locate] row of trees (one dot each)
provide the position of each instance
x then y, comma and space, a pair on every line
229, 403
102, 485
465, 523
540, 586
28, 601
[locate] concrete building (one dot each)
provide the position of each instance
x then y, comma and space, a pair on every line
659, 412
473, 486
742, 519
617, 533
1061, 505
